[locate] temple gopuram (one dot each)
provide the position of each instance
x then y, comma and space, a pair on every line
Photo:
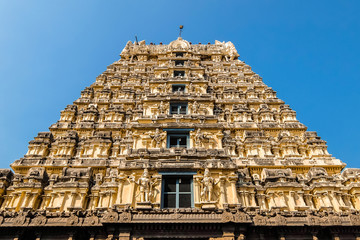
179, 141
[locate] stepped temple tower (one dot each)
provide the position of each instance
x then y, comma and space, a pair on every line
179, 141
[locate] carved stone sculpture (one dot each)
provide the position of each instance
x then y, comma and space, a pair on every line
246, 168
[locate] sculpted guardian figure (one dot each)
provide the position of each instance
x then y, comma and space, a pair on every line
157, 138
146, 185
208, 184
163, 108
201, 138
195, 108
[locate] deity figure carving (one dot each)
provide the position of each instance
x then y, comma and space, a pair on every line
191, 88
195, 108
128, 134
157, 138
229, 50
146, 186
200, 138
226, 138
163, 88
208, 183
163, 108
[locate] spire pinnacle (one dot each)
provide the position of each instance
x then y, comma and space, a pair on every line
181, 28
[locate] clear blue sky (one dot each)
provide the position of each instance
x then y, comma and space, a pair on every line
307, 51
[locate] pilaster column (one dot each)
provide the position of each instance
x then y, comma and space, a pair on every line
261, 200
26, 199
222, 190
119, 191
62, 202
73, 198
13, 198
101, 198
82, 196
232, 180
196, 189
32, 200
252, 201
112, 198
308, 201
52, 199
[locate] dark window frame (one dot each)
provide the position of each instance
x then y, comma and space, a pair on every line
175, 88
179, 73
177, 192
179, 106
179, 63
178, 135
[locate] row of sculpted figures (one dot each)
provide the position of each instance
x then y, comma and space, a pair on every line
107, 144
98, 189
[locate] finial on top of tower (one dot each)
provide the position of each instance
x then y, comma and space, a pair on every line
181, 28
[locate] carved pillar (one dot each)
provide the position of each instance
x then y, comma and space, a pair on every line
25, 199
111, 198
11, 200
5, 202
197, 189
252, 200
132, 191
46, 202
261, 201
308, 201
33, 200
222, 190
96, 201
347, 201
326, 199
73, 198
271, 200
300, 198
119, 191
291, 199
17, 196
340, 199
82, 196
62, 200
243, 201
52, 199
101, 199
232, 180
355, 201
281, 199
